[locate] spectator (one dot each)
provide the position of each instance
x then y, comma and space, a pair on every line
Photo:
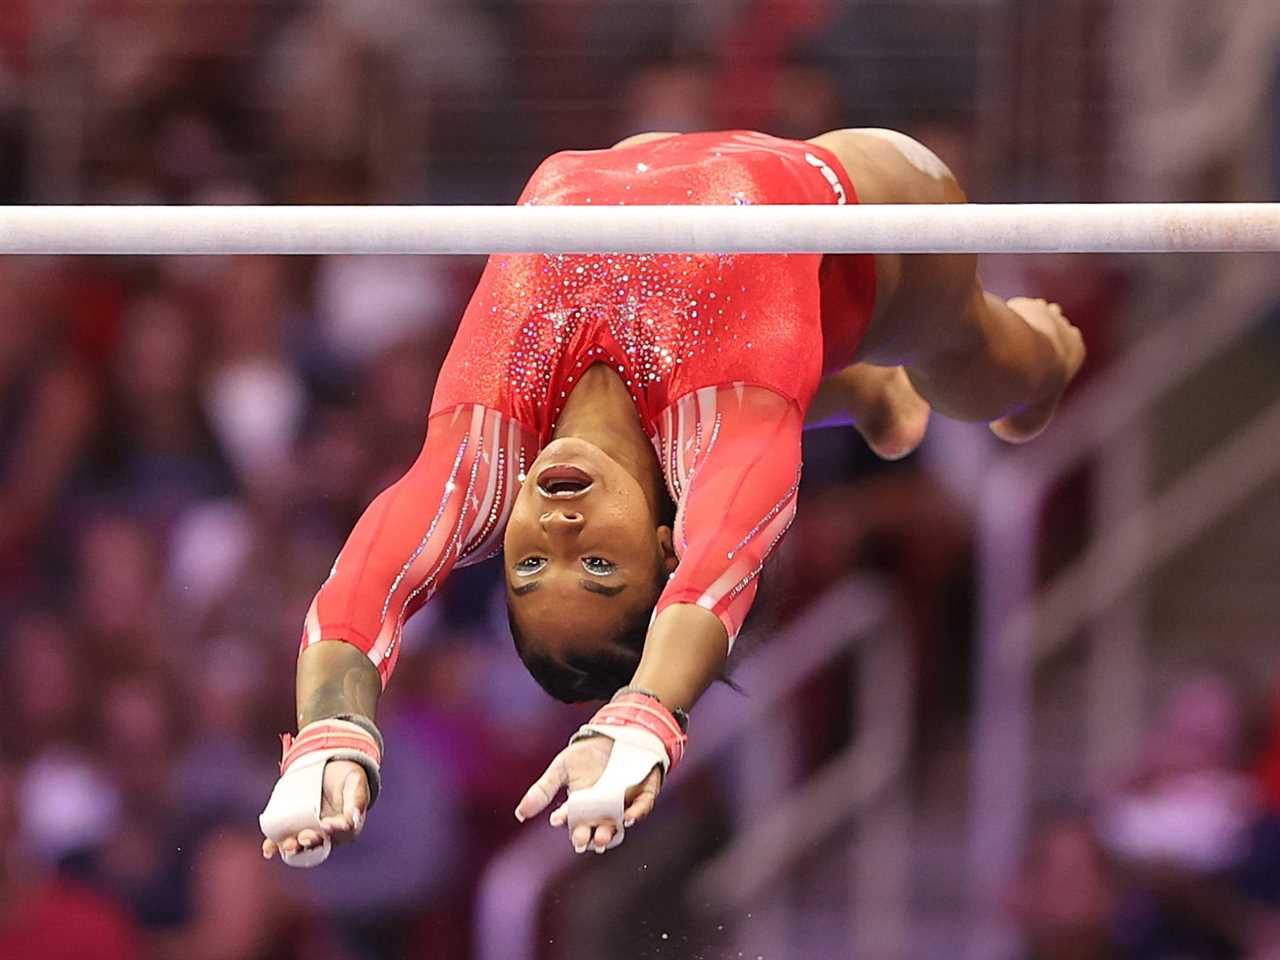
140, 860
239, 910
254, 395
118, 602
1188, 829
669, 96
369, 305
1065, 897
1190, 804
69, 801
158, 450
46, 415
48, 916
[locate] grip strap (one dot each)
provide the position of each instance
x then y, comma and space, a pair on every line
296, 801
645, 735
633, 708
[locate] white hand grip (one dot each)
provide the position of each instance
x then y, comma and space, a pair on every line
295, 806
311, 857
634, 754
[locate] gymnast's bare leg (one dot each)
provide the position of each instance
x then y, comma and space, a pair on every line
964, 352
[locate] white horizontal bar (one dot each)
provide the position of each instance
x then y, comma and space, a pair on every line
963, 228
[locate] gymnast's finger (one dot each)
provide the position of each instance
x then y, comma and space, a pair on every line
581, 837
269, 849
604, 833
560, 816
639, 808
347, 825
543, 791
310, 838
641, 798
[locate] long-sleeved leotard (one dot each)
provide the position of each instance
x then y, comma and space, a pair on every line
721, 354
449, 509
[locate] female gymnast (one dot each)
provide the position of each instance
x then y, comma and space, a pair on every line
626, 431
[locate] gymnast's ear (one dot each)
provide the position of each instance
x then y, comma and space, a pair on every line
667, 550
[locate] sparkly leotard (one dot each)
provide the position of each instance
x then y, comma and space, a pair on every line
722, 355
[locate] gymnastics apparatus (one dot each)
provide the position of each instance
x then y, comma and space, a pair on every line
574, 314
778, 228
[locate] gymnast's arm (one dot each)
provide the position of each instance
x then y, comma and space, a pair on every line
448, 509
734, 509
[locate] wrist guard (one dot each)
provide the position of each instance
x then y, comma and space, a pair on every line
296, 801
645, 735
641, 710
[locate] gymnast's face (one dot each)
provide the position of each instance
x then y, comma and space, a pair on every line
583, 552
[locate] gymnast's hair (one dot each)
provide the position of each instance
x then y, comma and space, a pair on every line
599, 676
595, 676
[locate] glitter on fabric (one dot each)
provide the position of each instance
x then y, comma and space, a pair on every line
431, 529
777, 508
451, 551
495, 510
755, 572
693, 470
668, 323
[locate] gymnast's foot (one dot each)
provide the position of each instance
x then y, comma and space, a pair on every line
1048, 318
886, 410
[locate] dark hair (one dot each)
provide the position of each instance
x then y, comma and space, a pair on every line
598, 676
592, 676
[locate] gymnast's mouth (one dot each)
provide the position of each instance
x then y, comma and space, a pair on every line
563, 482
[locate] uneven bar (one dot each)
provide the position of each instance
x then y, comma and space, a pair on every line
960, 228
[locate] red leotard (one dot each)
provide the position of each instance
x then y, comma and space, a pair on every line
722, 355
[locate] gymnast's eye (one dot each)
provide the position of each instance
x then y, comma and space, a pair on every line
529, 566
598, 566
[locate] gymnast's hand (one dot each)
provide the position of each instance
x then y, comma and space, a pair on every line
578, 766
344, 802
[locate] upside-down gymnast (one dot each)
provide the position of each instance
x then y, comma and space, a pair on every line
626, 431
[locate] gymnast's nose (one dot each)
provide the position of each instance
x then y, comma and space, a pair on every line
561, 521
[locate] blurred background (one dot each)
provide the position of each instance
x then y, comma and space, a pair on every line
998, 704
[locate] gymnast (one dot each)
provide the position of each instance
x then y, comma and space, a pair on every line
625, 430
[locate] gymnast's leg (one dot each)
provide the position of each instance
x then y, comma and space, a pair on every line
968, 353
879, 402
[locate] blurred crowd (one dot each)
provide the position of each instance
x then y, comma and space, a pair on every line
1180, 857
184, 444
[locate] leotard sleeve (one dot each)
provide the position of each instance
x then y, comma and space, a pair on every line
449, 510
731, 456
